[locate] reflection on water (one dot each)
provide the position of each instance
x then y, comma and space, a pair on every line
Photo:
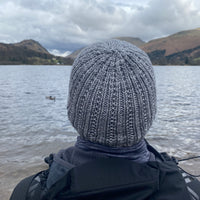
31, 125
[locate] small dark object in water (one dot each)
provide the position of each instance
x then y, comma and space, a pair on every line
51, 98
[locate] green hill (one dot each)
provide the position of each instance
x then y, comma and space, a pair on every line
28, 52
182, 48
135, 41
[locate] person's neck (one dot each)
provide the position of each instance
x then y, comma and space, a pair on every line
138, 153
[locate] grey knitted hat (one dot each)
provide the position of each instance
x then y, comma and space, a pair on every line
112, 94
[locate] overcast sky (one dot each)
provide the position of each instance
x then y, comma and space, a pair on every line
65, 25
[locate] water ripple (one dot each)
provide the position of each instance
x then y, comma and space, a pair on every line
31, 125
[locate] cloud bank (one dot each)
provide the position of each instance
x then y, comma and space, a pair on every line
66, 25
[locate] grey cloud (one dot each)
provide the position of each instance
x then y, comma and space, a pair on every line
168, 16
67, 25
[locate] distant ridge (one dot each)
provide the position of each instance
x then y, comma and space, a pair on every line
28, 52
182, 48
74, 54
175, 43
31, 45
177, 49
135, 41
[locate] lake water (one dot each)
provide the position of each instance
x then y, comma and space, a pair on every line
32, 126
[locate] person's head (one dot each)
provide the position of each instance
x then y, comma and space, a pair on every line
112, 94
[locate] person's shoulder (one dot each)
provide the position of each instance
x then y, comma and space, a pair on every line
30, 188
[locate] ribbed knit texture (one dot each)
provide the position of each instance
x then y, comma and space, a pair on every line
112, 95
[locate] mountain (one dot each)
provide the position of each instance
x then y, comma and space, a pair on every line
177, 49
135, 41
175, 43
28, 52
31, 45
182, 48
74, 54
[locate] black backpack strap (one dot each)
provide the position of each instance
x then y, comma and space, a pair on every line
31, 188
194, 189
193, 185
21, 190
32, 184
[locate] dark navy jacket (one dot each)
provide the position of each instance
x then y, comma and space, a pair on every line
112, 179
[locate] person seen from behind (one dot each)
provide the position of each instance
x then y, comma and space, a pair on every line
112, 105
